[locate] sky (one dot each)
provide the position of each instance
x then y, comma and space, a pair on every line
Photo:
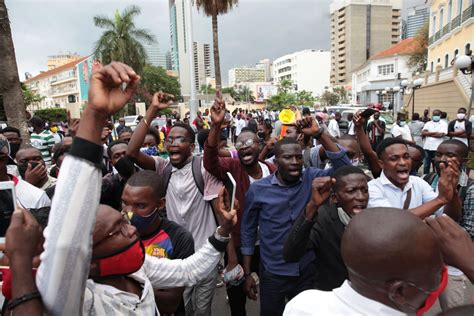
254, 30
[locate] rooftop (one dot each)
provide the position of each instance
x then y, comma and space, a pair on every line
57, 69
404, 47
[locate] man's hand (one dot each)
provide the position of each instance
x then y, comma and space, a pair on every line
456, 245
218, 111
228, 217
23, 236
250, 288
106, 93
445, 184
358, 120
35, 175
308, 126
321, 188
161, 100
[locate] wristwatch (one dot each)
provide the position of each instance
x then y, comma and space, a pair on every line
219, 237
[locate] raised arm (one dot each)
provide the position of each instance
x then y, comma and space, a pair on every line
369, 153
64, 269
159, 102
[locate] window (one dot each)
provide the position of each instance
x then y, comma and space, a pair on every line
459, 7
456, 53
450, 9
431, 67
433, 27
385, 70
467, 48
446, 61
441, 14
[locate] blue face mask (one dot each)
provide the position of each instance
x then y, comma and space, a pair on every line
143, 222
402, 123
150, 151
436, 118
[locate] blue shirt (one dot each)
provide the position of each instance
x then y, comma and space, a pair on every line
273, 207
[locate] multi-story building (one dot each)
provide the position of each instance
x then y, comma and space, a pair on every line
56, 85
451, 33
246, 74
416, 19
360, 29
268, 66
307, 69
55, 61
385, 69
202, 64
155, 56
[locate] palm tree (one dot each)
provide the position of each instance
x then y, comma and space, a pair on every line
213, 8
122, 41
10, 88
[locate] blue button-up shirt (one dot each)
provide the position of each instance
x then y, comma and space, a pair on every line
273, 207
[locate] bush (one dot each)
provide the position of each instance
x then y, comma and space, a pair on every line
52, 115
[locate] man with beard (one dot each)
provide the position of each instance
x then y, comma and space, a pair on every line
245, 169
395, 186
272, 205
188, 201
102, 268
321, 225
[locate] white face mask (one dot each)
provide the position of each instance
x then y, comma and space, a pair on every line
461, 116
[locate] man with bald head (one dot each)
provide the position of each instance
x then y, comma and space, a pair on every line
385, 277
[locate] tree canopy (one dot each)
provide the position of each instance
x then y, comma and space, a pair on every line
419, 57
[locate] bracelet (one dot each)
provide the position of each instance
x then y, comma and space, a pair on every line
22, 299
146, 123
219, 237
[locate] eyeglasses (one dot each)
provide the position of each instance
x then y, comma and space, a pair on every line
121, 229
249, 142
176, 140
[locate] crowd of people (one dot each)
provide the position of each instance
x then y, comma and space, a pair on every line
323, 223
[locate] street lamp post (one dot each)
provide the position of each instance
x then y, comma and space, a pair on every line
465, 63
396, 105
416, 84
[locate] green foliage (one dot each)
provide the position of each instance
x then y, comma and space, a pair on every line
244, 94
29, 96
207, 89
341, 93
329, 98
419, 56
122, 40
231, 91
52, 115
285, 86
305, 98
154, 79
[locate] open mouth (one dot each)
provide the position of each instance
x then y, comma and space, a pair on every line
403, 174
174, 155
358, 208
246, 157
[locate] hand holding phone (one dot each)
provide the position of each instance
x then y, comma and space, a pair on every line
7, 205
368, 113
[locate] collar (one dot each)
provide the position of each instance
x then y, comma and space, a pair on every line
186, 166
385, 181
275, 181
362, 304
343, 216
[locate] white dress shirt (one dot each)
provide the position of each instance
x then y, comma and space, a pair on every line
383, 193
404, 131
432, 143
341, 301
333, 128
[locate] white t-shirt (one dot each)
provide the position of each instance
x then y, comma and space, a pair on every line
460, 126
333, 129
265, 172
28, 196
239, 124
404, 131
432, 143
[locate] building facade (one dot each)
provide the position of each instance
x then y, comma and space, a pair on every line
268, 66
384, 70
416, 19
55, 61
451, 31
202, 64
246, 74
56, 85
155, 56
360, 29
308, 70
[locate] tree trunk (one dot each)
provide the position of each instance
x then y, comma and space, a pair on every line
10, 87
217, 62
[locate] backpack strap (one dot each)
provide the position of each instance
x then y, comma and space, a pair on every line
197, 173
166, 174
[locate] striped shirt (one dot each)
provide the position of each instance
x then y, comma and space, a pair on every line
43, 141
62, 277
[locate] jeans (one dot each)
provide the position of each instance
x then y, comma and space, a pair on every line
429, 156
198, 299
236, 294
276, 290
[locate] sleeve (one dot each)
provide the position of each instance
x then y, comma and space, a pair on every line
164, 273
445, 129
213, 164
468, 129
160, 163
248, 228
316, 158
294, 247
338, 159
376, 196
212, 185
43, 201
427, 126
382, 124
62, 275
428, 194
451, 126
468, 214
396, 131
183, 244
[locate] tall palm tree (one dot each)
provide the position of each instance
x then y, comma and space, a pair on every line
122, 40
10, 88
213, 8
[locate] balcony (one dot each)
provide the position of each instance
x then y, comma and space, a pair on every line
468, 13
456, 22
446, 29
437, 36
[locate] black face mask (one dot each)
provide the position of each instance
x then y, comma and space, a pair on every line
437, 165
14, 149
125, 167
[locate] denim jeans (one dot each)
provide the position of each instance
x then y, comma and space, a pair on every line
276, 290
429, 156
